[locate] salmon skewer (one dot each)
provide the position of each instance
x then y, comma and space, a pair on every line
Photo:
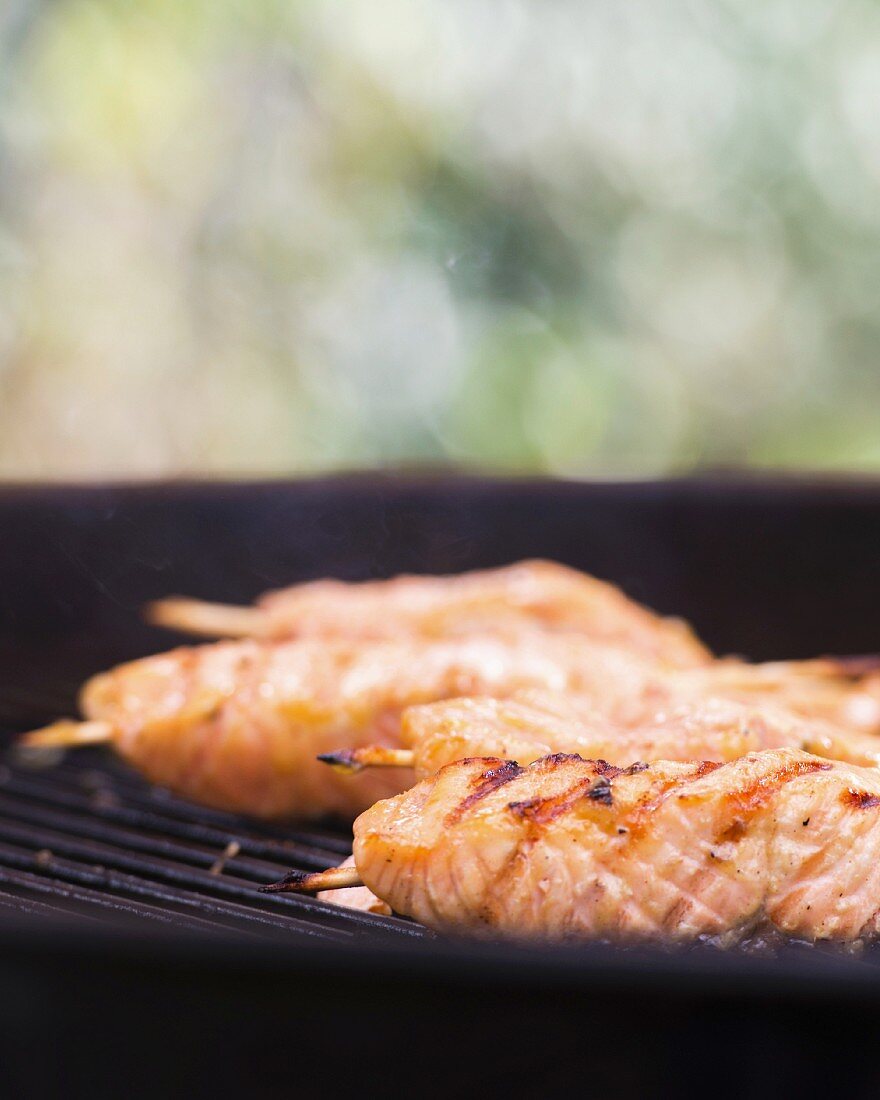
534, 724
237, 725
548, 596
537, 594
530, 593
570, 848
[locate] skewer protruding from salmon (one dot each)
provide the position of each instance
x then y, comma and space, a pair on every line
354, 897
534, 724
529, 593
237, 725
569, 848
543, 596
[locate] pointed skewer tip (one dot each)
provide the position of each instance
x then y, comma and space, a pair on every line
350, 761
344, 760
310, 882
292, 882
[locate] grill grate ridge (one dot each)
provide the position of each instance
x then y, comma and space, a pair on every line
88, 838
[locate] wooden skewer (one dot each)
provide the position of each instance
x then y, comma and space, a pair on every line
210, 620
305, 882
68, 734
350, 761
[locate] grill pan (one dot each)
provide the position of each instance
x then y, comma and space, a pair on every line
136, 955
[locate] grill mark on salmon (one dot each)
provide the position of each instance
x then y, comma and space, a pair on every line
543, 810
861, 800
598, 790
748, 799
639, 815
484, 785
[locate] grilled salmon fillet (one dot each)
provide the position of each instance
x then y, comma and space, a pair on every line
552, 598
536, 593
534, 724
570, 848
237, 725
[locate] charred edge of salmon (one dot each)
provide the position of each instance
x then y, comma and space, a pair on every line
483, 785
860, 800
601, 791
601, 767
705, 767
611, 771
547, 763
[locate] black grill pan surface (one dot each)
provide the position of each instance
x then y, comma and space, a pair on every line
136, 955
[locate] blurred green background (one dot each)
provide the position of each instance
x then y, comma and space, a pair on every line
241, 236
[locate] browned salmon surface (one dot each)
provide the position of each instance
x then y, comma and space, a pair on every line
569, 848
